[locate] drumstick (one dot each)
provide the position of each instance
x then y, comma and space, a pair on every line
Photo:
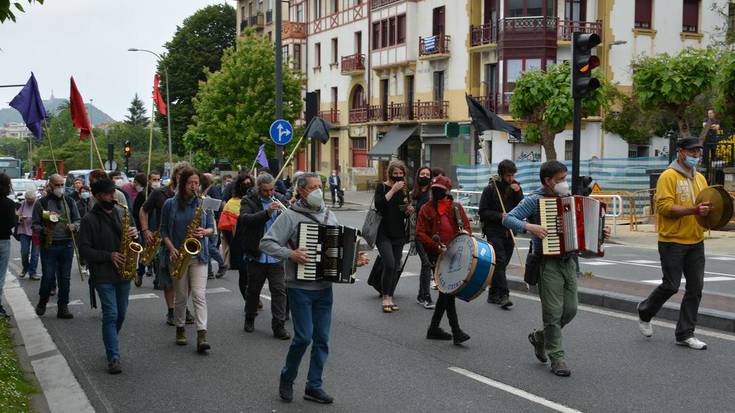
502, 205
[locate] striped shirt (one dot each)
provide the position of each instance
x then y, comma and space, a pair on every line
526, 211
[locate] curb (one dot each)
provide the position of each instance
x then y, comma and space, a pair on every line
714, 319
59, 385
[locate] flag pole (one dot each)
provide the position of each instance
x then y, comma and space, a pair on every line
66, 205
288, 160
150, 148
97, 149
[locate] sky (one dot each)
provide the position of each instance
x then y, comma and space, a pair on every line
89, 39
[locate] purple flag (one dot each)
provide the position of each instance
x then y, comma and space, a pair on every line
30, 105
261, 158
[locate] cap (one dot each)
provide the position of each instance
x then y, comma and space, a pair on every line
688, 143
102, 186
442, 181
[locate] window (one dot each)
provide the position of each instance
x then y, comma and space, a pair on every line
535, 7
359, 153
392, 31
376, 35
358, 42
568, 150
299, 12
438, 21
690, 20
575, 10
384, 33
643, 14
401, 29
335, 6
335, 154
318, 8
515, 8
297, 56
318, 55
438, 86
335, 51
514, 68
530, 8
260, 6
334, 98
284, 50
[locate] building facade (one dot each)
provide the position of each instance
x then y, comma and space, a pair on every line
392, 74
14, 130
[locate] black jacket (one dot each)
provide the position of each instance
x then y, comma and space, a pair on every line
8, 217
251, 224
491, 212
99, 237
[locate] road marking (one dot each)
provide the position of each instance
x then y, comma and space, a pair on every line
595, 310
16, 259
659, 267
142, 296
643, 262
73, 302
596, 263
409, 274
723, 258
515, 391
706, 279
267, 297
217, 290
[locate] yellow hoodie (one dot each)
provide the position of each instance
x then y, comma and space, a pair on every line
677, 186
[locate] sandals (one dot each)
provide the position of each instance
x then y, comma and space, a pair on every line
394, 307
387, 308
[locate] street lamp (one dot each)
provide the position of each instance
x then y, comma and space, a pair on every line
168, 104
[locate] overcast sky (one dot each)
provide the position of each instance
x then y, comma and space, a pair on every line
89, 39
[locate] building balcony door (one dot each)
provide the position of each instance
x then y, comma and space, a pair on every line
335, 155
575, 10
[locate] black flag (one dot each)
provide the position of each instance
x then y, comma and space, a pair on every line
484, 119
318, 129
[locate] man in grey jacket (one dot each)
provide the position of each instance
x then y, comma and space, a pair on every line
310, 301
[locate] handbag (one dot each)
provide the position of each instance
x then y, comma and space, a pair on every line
533, 267
371, 224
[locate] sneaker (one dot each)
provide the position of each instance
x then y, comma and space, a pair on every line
460, 337
433, 285
429, 305
34, 277
85, 272
693, 343
249, 325
538, 347
189, 317
493, 299
644, 327
437, 333
318, 395
505, 303
22, 274
114, 367
148, 272
170, 319
285, 389
210, 276
421, 302
222, 271
3, 313
559, 367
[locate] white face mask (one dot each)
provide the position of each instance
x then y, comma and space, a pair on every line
118, 183
156, 184
138, 188
59, 192
315, 199
562, 188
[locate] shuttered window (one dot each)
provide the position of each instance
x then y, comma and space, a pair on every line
643, 14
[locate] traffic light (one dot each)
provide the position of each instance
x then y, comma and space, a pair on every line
127, 149
583, 61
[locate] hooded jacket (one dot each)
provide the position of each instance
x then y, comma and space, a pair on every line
99, 236
678, 186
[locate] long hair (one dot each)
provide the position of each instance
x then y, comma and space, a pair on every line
184, 176
238, 187
6, 186
416, 188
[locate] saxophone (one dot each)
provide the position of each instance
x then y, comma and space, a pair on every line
150, 250
129, 249
189, 247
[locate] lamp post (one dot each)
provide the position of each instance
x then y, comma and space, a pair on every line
279, 75
168, 103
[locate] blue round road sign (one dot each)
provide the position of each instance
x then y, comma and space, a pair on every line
281, 132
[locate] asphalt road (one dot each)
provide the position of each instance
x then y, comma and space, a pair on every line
382, 362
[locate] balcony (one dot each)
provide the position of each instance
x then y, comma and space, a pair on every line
567, 27
269, 17
404, 111
353, 64
243, 25
293, 30
434, 47
485, 34
488, 102
359, 115
375, 4
256, 21
331, 115
431, 110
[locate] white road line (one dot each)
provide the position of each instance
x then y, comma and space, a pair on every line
267, 297
73, 302
595, 263
659, 267
643, 262
595, 310
706, 279
141, 296
515, 391
217, 290
723, 258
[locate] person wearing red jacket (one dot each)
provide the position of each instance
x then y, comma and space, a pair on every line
437, 225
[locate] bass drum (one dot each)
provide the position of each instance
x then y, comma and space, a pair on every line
466, 268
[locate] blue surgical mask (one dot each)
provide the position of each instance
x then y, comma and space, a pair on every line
691, 161
85, 195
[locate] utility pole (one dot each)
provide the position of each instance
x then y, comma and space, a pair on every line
279, 76
583, 61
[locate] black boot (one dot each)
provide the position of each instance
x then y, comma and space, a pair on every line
249, 325
41, 307
460, 336
279, 331
64, 313
437, 333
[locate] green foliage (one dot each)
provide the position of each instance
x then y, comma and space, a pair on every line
197, 45
625, 118
725, 89
15, 389
136, 113
543, 101
673, 83
7, 11
236, 105
14, 148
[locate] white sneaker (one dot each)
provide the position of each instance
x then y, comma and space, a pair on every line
693, 343
645, 328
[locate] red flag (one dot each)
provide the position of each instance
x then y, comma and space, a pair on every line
78, 112
157, 96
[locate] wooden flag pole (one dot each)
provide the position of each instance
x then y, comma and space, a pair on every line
502, 205
290, 157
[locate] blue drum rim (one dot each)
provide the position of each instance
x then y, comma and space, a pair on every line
470, 273
488, 279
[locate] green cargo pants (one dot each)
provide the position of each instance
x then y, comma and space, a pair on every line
557, 288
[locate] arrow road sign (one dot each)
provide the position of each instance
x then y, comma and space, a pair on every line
281, 132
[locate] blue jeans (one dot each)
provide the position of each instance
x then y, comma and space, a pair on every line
311, 314
4, 258
56, 267
28, 254
114, 299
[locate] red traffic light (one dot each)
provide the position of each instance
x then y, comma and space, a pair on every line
592, 63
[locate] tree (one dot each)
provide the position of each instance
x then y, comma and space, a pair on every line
674, 83
136, 113
7, 12
543, 101
197, 45
725, 89
236, 105
14, 147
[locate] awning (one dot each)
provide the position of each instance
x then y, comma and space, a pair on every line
394, 138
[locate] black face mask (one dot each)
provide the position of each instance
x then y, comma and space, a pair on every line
108, 205
424, 180
438, 193
396, 178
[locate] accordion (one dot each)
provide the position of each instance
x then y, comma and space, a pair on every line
575, 224
332, 251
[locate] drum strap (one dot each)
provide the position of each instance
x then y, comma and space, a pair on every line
458, 217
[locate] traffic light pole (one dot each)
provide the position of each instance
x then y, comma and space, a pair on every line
279, 76
576, 143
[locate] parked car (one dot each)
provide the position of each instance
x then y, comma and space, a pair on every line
84, 174
21, 185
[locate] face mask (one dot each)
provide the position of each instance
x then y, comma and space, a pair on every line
156, 184
396, 178
108, 205
562, 188
315, 199
438, 193
59, 192
691, 161
138, 188
424, 180
118, 183
85, 195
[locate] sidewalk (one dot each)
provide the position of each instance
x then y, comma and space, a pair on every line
715, 242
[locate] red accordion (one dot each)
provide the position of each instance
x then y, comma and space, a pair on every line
574, 224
